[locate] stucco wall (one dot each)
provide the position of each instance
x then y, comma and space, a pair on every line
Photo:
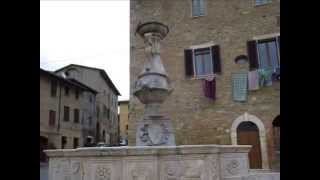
69, 129
94, 79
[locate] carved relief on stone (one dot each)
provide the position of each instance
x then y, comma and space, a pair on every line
102, 173
250, 178
192, 169
172, 170
62, 170
76, 170
141, 173
75, 167
215, 169
56, 170
154, 134
233, 167
152, 44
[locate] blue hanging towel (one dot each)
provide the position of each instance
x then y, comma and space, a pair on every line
240, 86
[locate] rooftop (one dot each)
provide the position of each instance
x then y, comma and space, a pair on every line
102, 72
71, 82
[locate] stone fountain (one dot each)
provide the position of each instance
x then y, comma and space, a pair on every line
155, 157
152, 88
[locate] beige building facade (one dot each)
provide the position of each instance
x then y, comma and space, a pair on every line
67, 112
106, 105
226, 31
123, 119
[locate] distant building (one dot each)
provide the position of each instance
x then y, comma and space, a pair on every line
67, 112
123, 120
106, 99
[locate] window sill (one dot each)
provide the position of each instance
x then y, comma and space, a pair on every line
259, 5
202, 77
195, 17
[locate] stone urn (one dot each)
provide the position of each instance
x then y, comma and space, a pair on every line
153, 85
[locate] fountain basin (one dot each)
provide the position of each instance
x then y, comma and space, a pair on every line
196, 162
153, 27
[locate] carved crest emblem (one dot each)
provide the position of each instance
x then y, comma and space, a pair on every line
154, 134
233, 167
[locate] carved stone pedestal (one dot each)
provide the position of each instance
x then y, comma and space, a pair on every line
155, 133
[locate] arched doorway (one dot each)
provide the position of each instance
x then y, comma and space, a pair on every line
248, 134
276, 141
43, 146
262, 135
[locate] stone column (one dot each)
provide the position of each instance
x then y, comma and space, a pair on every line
152, 88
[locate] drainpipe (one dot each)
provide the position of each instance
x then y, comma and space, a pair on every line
59, 108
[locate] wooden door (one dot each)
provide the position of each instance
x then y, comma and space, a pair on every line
248, 134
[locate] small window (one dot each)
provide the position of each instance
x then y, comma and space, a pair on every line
54, 86
66, 113
77, 94
262, 2
90, 120
264, 53
98, 111
63, 142
202, 62
76, 115
104, 135
66, 90
198, 8
52, 117
75, 143
268, 55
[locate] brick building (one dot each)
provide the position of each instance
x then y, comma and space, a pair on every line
67, 112
227, 46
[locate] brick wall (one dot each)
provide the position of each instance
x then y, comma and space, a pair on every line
230, 24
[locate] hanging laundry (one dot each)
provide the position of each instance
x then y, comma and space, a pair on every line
240, 86
265, 77
209, 87
253, 80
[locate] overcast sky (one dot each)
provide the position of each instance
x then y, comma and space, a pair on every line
90, 33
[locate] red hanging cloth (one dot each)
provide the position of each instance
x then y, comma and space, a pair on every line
209, 87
